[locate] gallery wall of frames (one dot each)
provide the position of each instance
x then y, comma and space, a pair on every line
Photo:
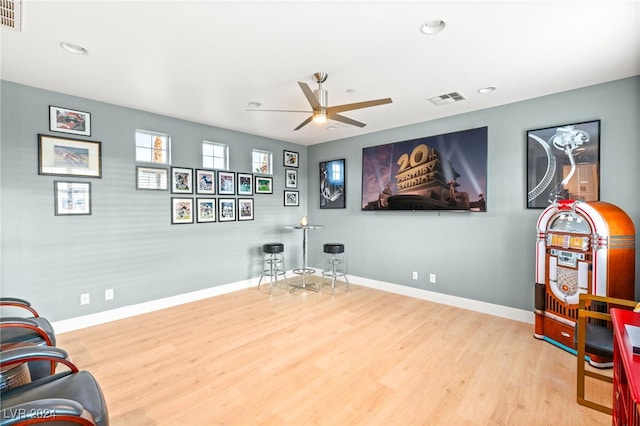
197, 195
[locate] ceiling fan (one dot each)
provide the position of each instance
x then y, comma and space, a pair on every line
321, 112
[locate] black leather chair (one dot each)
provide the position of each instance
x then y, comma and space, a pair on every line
594, 337
30, 329
67, 397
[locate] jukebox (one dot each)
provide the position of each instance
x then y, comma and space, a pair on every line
582, 247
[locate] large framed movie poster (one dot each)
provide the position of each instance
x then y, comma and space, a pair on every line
442, 172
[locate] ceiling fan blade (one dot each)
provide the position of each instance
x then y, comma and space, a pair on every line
346, 120
304, 123
280, 110
313, 101
358, 105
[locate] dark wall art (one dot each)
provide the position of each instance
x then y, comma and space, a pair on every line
443, 172
332, 185
563, 162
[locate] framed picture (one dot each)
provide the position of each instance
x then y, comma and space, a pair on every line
290, 159
245, 208
563, 162
226, 209
245, 183
290, 178
205, 181
72, 198
226, 183
439, 172
291, 198
205, 210
69, 157
69, 121
332, 185
264, 185
181, 210
152, 178
181, 180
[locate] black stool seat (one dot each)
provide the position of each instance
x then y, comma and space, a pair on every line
598, 340
273, 248
334, 248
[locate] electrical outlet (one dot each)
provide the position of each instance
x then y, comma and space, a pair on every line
84, 299
108, 294
432, 278
415, 275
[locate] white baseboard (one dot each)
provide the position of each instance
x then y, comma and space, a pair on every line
103, 317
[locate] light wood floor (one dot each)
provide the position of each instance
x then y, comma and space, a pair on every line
365, 357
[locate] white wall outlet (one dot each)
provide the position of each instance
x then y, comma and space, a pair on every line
432, 278
415, 275
84, 299
108, 294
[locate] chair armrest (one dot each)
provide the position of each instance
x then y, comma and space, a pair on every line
28, 323
18, 303
51, 409
36, 353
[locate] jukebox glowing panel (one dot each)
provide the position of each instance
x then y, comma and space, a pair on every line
582, 247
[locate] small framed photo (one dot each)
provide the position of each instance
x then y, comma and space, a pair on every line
181, 210
290, 178
264, 185
245, 183
245, 208
69, 157
181, 180
72, 198
226, 209
226, 183
152, 178
206, 210
290, 159
205, 181
69, 121
291, 198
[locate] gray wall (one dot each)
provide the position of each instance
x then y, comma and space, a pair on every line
128, 243
482, 256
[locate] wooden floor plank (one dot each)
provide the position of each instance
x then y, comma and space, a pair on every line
363, 357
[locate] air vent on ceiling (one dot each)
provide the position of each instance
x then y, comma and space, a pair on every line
447, 98
10, 15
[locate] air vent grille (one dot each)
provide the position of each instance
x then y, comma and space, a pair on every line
10, 15
447, 98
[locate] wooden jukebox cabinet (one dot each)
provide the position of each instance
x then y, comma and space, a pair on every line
582, 247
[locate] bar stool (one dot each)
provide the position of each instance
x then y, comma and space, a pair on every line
334, 264
273, 264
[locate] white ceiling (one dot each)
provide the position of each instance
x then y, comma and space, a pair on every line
204, 61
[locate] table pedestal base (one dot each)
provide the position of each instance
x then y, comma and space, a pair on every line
304, 285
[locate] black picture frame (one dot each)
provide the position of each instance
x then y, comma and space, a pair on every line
290, 178
333, 188
205, 181
226, 209
72, 198
244, 183
263, 185
152, 178
291, 198
290, 159
206, 210
226, 183
563, 162
60, 156
65, 120
181, 210
245, 209
181, 180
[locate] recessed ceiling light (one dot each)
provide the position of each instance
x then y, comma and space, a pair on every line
254, 104
433, 26
350, 91
331, 127
73, 48
487, 89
